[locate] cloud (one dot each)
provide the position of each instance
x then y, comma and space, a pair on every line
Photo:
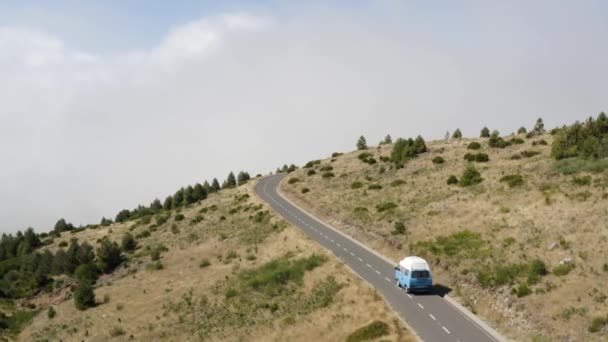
84, 134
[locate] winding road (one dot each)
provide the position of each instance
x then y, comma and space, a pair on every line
432, 317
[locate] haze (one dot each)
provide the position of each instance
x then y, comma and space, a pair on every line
104, 107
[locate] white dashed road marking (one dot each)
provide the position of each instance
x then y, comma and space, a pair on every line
360, 259
433, 317
409, 295
378, 272
446, 330
368, 265
420, 305
387, 279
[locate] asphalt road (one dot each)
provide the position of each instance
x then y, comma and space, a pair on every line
431, 316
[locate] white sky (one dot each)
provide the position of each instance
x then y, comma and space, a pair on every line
87, 132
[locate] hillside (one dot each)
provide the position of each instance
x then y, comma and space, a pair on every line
226, 269
523, 244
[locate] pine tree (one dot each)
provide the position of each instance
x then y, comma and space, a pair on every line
215, 185
168, 203
521, 130
156, 206
243, 177
178, 198
539, 127
387, 140
85, 254
62, 226
207, 188
485, 133
123, 215
84, 296
419, 145
199, 193
188, 195
105, 222
447, 135
457, 134
109, 255
361, 143
230, 181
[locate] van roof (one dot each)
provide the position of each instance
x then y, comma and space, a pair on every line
414, 263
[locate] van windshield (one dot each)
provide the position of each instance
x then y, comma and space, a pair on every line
421, 274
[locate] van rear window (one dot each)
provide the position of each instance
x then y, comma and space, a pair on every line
421, 274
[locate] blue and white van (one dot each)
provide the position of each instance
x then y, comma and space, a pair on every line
414, 275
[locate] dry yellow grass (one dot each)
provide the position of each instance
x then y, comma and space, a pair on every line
519, 224
139, 298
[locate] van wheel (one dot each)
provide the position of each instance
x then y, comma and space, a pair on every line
397, 283
406, 289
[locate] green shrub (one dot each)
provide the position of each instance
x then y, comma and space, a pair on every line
231, 292
204, 263
360, 210
179, 217
478, 157
386, 206
374, 186
328, 174
155, 254
397, 182
270, 277
154, 266
463, 244
293, 180
311, 172
517, 141
364, 155
399, 228
336, 154
522, 290
128, 242
562, 269
174, 229
588, 140
356, 185
575, 165
305, 190
369, 332
452, 180
598, 324
539, 142
51, 313
513, 180
438, 160
326, 168
84, 296
63, 244
474, 146
384, 159
529, 154
117, 331
581, 181
470, 176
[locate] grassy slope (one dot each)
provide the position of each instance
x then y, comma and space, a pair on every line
515, 224
168, 304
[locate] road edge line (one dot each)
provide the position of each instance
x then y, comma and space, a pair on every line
459, 307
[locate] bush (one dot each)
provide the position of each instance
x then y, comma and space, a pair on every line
326, 168
154, 266
356, 185
587, 140
360, 210
581, 181
522, 130
51, 313
529, 154
452, 180
369, 332
293, 180
562, 269
513, 180
522, 290
374, 186
109, 255
128, 242
397, 182
386, 206
117, 331
336, 154
361, 143
438, 160
517, 141
305, 190
539, 142
457, 134
364, 155
470, 176
84, 296
474, 146
230, 293
598, 324
404, 150
179, 217
86, 272
328, 174
399, 228
575, 165
311, 172
204, 263
479, 157
485, 133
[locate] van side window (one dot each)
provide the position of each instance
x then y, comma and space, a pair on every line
406, 271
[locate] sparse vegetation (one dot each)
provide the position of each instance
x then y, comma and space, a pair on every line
438, 160
513, 180
470, 177
474, 146
369, 332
